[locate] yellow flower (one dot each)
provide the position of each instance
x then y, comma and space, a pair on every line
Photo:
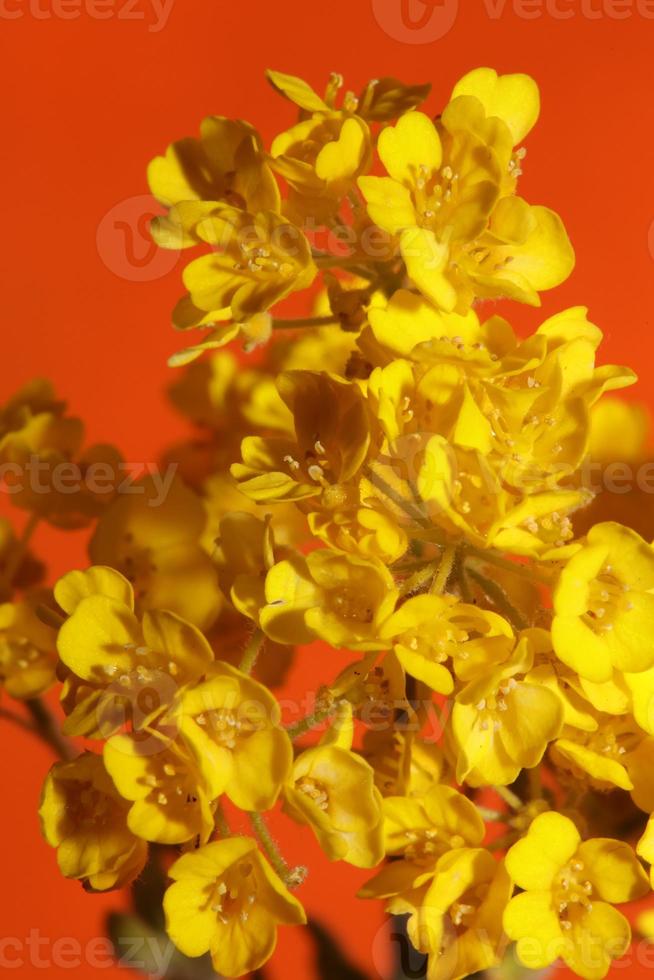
570, 887
225, 899
33, 422
333, 790
230, 725
337, 597
153, 536
83, 816
127, 668
259, 259
502, 723
27, 649
226, 164
434, 633
604, 604
449, 196
331, 441
457, 920
418, 831
322, 155
170, 800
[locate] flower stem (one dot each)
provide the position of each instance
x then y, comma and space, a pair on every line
252, 651
273, 853
498, 596
490, 816
47, 729
306, 724
491, 558
221, 820
509, 797
419, 578
442, 576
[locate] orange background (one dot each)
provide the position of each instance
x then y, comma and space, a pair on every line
87, 103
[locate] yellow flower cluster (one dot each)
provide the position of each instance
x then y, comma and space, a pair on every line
399, 475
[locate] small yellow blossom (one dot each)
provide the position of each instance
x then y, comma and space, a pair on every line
336, 597
604, 604
83, 816
230, 724
226, 899
570, 888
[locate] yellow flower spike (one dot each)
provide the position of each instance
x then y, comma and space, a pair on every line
153, 537
170, 803
570, 888
604, 604
333, 791
27, 650
501, 723
513, 98
231, 726
226, 899
83, 816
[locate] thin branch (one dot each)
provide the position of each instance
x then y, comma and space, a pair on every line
48, 730
252, 651
499, 598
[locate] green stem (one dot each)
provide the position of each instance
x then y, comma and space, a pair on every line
442, 576
221, 821
305, 725
270, 847
524, 571
47, 729
498, 596
252, 651
380, 484
418, 579
280, 323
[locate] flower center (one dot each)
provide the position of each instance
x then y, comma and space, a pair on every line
490, 708
315, 790
234, 893
571, 892
608, 598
